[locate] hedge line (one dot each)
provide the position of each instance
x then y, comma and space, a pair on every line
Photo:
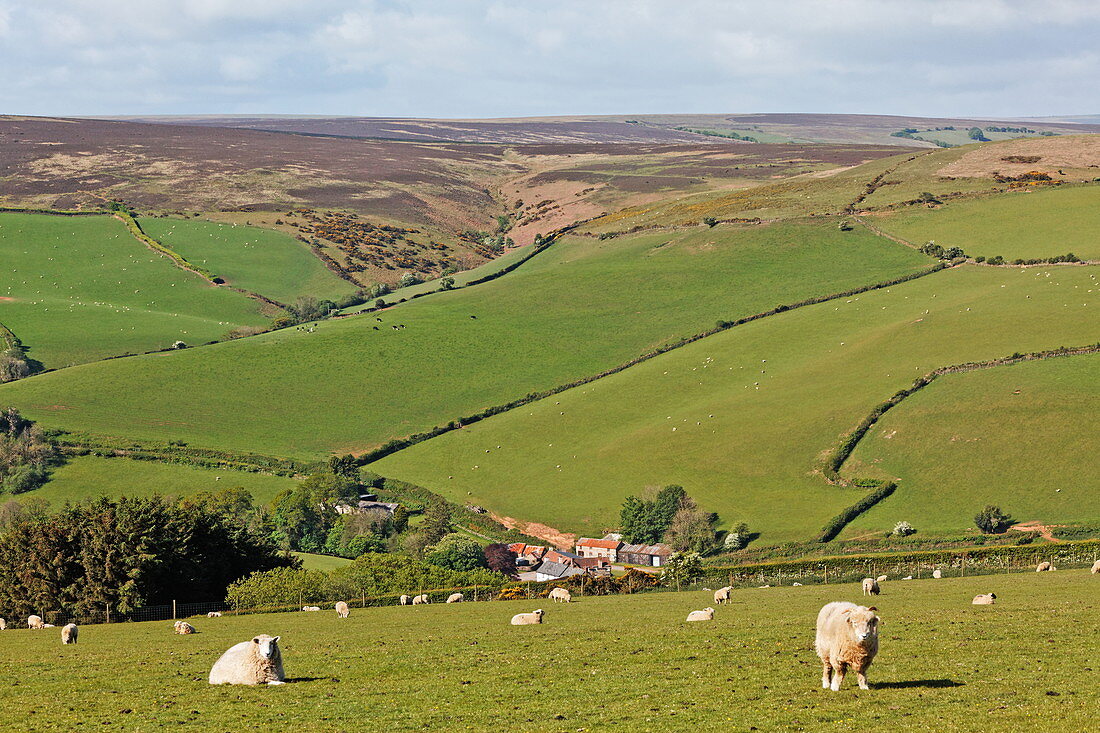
137, 232
397, 444
840, 521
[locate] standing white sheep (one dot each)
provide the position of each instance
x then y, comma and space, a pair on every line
1043, 567
561, 595
525, 619
256, 662
421, 599
847, 636
455, 598
3, 624
707, 614
722, 595
69, 633
35, 622
937, 574
404, 600
1096, 567
881, 578
870, 587
342, 610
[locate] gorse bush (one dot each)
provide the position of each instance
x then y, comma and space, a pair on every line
992, 520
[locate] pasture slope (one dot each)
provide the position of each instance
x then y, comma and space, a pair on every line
83, 477
742, 419
263, 261
1024, 225
600, 663
78, 289
581, 307
1022, 436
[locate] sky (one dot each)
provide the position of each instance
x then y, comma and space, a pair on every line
470, 59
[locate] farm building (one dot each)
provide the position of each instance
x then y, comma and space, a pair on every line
607, 549
548, 570
363, 506
527, 554
651, 555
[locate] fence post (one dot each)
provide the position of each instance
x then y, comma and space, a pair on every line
826, 575
173, 609
108, 613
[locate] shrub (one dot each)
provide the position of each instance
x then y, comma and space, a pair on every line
682, 568
408, 279
903, 529
456, 552
710, 221
992, 520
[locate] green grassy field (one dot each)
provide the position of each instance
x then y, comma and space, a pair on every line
261, 260
77, 289
1026, 224
579, 308
743, 418
620, 662
1021, 436
84, 477
313, 561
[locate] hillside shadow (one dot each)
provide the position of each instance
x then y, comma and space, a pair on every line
910, 684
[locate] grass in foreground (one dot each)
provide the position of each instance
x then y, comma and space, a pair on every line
261, 260
1025, 224
84, 477
621, 662
741, 419
1022, 436
77, 289
577, 309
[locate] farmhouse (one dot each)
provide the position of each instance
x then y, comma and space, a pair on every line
651, 555
548, 570
527, 554
363, 506
605, 548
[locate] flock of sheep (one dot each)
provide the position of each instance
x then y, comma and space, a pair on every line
846, 639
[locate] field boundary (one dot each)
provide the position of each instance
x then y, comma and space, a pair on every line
399, 444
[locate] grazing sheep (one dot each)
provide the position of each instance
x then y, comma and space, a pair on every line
937, 574
1043, 567
3, 624
722, 595
985, 599
214, 614
182, 627
525, 619
1095, 570
455, 598
881, 578
707, 614
405, 600
420, 599
35, 622
256, 662
342, 609
847, 636
870, 587
69, 633
561, 595
908, 577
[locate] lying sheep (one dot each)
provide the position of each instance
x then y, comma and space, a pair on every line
881, 578
214, 614
342, 610
35, 622
421, 599
182, 627
524, 619
69, 634
796, 585
1043, 567
404, 600
1095, 570
561, 595
847, 636
937, 574
707, 614
985, 599
455, 598
311, 608
870, 587
722, 595
908, 577
256, 662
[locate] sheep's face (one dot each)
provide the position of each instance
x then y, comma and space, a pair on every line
268, 647
863, 622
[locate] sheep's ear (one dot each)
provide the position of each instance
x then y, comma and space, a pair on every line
277, 638
872, 608
256, 640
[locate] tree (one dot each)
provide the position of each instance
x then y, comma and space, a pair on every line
447, 283
992, 520
456, 552
682, 568
346, 466
710, 221
738, 537
304, 515
437, 522
645, 521
903, 529
408, 279
500, 559
691, 529
975, 133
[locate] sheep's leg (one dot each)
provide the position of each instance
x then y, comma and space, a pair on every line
861, 675
826, 674
838, 676
276, 682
